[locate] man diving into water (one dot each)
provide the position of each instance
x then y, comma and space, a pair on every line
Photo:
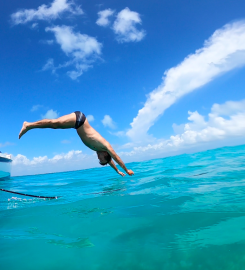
90, 137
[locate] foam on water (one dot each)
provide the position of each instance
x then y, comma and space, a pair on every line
183, 212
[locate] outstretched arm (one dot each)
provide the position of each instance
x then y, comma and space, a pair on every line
113, 165
113, 154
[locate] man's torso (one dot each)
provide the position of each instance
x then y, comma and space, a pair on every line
91, 138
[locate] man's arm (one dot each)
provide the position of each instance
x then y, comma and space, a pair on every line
113, 154
112, 164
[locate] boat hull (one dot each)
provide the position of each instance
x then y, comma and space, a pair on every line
5, 167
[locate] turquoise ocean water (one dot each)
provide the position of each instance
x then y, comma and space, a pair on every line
182, 212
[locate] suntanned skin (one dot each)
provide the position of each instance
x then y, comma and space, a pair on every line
90, 137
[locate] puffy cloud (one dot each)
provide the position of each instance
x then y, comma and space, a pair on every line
79, 45
21, 159
222, 52
67, 156
45, 12
108, 122
226, 123
90, 118
50, 114
80, 48
103, 17
73, 160
125, 26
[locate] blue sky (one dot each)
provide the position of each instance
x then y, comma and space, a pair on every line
156, 78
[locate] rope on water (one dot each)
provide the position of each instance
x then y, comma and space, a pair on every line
34, 196
56, 197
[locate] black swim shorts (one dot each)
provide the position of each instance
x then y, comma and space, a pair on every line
80, 119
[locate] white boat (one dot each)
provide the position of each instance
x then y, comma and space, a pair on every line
5, 165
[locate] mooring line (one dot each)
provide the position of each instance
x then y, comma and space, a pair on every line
34, 196
56, 197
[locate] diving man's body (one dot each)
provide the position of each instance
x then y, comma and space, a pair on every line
90, 137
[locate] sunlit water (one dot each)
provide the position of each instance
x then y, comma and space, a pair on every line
182, 212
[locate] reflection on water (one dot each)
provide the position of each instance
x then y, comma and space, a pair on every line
184, 212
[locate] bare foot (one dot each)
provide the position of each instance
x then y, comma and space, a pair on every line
23, 130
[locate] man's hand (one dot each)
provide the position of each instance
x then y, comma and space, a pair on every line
130, 172
119, 161
121, 173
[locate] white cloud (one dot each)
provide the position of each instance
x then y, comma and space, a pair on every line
23, 160
73, 160
118, 133
44, 12
50, 114
79, 45
225, 124
67, 156
90, 118
50, 66
103, 17
36, 107
80, 48
178, 128
80, 69
124, 26
222, 52
48, 41
225, 121
34, 25
108, 122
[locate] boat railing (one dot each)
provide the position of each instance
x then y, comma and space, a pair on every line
5, 155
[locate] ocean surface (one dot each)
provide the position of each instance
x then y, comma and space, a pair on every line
180, 212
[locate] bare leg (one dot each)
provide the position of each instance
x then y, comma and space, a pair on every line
66, 121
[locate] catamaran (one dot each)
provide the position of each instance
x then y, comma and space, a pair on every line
5, 165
